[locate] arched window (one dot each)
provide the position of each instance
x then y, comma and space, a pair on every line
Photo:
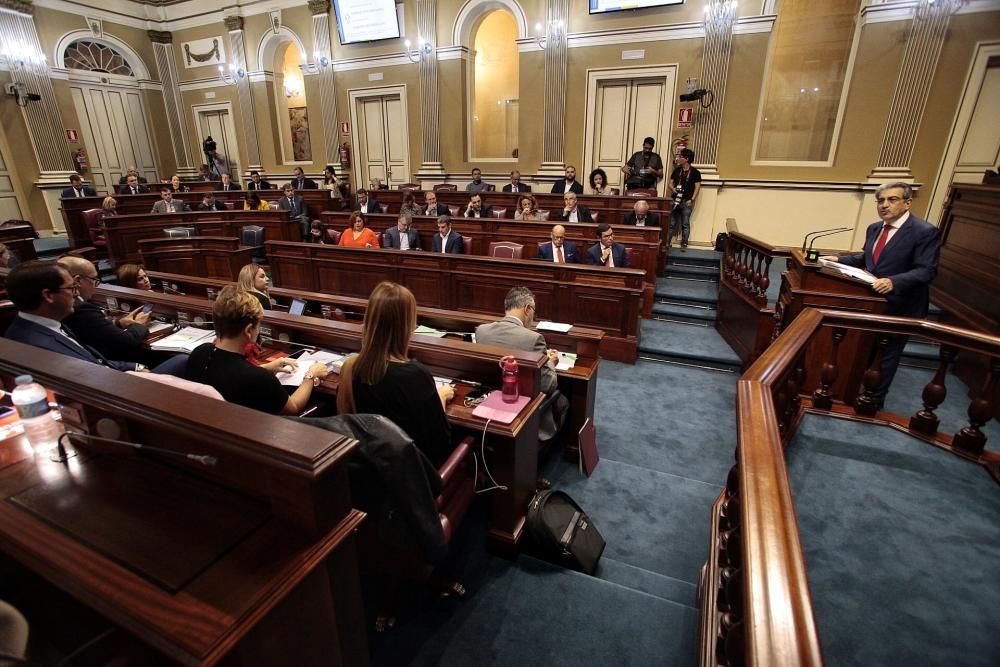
94, 57
292, 106
495, 87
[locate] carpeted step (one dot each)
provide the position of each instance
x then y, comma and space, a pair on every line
684, 343
680, 290
684, 312
692, 271
921, 354
694, 255
648, 582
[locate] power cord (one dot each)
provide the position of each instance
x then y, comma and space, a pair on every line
486, 469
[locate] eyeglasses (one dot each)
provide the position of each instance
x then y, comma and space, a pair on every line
71, 288
93, 279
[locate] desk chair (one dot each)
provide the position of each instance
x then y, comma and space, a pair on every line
384, 207
543, 214
454, 210
467, 243
92, 217
450, 187
594, 215
506, 249
499, 213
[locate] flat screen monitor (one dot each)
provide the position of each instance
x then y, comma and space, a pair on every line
298, 307
366, 20
604, 6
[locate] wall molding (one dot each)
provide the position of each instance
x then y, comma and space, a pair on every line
904, 10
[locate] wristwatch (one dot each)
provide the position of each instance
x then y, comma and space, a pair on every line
310, 376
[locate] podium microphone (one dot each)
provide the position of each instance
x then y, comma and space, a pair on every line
813, 255
62, 456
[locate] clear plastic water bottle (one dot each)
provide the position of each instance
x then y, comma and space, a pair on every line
32, 403
509, 388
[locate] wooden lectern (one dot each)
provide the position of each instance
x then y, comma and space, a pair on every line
808, 285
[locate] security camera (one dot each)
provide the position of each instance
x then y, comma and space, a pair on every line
696, 94
19, 91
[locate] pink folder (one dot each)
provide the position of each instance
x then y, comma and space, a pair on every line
494, 409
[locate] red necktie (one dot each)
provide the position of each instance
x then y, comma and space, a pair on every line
562, 260
880, 244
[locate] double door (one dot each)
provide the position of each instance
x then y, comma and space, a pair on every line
382, 139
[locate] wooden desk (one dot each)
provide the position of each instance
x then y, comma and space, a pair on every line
214, 256
591, 296
124, 232
251, 561
546, 200
515, 446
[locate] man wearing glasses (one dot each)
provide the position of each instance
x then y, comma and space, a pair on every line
901, 251
45, 295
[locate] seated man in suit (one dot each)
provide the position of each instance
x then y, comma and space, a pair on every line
402, 237
573, 212
569, 183
641, 217
210, 203
447, 240
901, 251
168, 204
227, 183
559, 250
607, 252
515, 184
120, 338
477, 209
300, 182
257, 183
132, 171
366, 204
297, 207
45, 295
77, 188
514, 331
431, 205
132, 186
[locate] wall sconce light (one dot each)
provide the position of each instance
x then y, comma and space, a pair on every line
927, 9
555, 30
319, 64
425, 49
293, 86
234, 76
18, 56
720, 12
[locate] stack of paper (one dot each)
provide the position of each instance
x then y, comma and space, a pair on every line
850, 271
332, 360
428, 331
184, 340
157, 327
554, 326
567, 360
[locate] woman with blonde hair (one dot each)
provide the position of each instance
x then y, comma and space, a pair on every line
527, 208
224, 365
382, 379
253, 279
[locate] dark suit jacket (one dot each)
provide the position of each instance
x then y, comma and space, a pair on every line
263, 185
521, 187
31, 333
441, 209
909, 260
371, 206
298, 206
92, 327
216, 206
392, 238
88, 191
455, 244
124, 180
582, 214
485, 212
233, 186
305, 184
570, 253
126, 190
617, 254
560, 186
652, 220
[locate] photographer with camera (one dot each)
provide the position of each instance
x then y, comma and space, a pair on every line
217, 163
644, 168
685, 184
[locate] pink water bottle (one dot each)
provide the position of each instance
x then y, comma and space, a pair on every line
510, 377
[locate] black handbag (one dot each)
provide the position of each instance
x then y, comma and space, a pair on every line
562, 533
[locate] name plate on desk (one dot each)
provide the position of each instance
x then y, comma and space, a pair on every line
156, 520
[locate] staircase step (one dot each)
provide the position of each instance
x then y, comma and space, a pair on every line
695, 255
687, 291
684, 312
648, 582
921, 354
686, 343
694, 271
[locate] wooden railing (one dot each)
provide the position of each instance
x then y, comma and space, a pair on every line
756, 607
744, 319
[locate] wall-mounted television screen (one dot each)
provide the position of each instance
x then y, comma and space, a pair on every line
604, 6
366, 20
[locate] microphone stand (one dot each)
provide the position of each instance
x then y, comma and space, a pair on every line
813, 255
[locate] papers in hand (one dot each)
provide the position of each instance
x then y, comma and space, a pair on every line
332, 360
183, 340
849, 271
554, 326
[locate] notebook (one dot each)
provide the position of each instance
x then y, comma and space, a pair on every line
494, 409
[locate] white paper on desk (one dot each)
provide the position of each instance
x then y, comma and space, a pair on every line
554, 326
567, 360
184, 340
157, 327
443, 382
428, 331
850, 271
332, 360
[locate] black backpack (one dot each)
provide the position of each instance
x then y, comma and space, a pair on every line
562, 533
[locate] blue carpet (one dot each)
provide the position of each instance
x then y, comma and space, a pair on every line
682, 341
687, 290
904, 399
902, 545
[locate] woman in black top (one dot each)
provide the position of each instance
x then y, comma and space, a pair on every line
383, 380
253, 279
223, 364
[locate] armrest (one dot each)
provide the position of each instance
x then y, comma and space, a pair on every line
449, 467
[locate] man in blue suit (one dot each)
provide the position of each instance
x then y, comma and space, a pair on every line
45, 294
901, 251
77, 188
607, 252
447, 240
402, 236
559, 250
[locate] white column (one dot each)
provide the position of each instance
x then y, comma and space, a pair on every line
238, 54
163, 51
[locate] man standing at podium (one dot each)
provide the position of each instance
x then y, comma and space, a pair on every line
902, 252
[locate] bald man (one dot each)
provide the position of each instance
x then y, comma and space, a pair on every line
559, 250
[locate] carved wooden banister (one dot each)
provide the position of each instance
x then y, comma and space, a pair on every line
756, 542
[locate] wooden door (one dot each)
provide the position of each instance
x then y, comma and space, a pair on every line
218, 124
382, 140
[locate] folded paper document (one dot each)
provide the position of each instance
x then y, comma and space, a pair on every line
332, 360
849, 271
184, 340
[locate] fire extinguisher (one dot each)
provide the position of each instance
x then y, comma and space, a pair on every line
345, 155
80, 160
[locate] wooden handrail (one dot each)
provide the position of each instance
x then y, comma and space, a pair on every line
771, 621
